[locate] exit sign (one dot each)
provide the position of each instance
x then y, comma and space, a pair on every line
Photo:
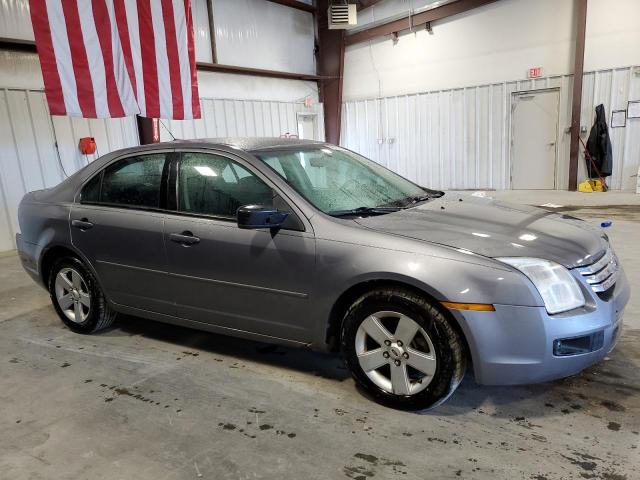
535, 72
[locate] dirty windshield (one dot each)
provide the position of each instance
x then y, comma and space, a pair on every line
340, 182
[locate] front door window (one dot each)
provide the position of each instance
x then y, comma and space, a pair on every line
214, 185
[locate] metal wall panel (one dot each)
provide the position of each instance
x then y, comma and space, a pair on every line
460, 138
15, 19
242, 118
260, 34
29, 159
201, 32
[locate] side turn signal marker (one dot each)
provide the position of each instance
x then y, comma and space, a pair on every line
478, 307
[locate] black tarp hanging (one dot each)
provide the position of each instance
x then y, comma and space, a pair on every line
599, 147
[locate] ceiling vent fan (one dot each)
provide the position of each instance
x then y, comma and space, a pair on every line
342, 16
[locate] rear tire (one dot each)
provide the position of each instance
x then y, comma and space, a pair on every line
402, 350
77, 297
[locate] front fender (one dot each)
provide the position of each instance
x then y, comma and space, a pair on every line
445, 276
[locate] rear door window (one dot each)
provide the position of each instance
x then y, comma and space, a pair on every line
91, 191
131, 182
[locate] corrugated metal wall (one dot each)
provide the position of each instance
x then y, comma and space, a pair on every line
243, 118
460, 138
29, 159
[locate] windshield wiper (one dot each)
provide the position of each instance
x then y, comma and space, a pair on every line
424, 198
364, 211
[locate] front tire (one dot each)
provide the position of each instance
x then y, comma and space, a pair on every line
402, 350
77, 297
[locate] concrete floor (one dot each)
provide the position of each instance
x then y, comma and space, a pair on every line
151, 401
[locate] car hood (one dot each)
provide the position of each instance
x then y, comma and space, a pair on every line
495, 229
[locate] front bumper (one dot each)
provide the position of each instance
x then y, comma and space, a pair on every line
514, 344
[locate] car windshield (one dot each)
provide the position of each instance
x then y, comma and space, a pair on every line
340, 182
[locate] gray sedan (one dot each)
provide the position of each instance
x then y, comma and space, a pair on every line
307, 244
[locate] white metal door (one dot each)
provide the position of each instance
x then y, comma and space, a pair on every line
307, 126
534, 132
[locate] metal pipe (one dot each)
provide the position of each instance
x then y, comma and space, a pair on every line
212, 32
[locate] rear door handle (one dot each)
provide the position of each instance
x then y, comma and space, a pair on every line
83, 224
184, 238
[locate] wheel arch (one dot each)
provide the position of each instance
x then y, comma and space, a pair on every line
53, 253
351, 294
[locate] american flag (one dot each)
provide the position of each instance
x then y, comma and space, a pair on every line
113, 58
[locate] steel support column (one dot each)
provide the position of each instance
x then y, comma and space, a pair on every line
148, 130
576, 107
330, 64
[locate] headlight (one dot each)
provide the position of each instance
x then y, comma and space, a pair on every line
557, 287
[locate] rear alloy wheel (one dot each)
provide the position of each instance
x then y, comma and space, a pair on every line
402, 350
72, 295
77, 297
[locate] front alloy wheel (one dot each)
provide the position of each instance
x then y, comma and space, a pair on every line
403, 362
402, 349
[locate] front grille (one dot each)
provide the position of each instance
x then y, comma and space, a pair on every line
602, 275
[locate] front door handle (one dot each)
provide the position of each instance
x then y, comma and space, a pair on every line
184, 238
83, 224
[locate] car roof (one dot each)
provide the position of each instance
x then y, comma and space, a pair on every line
246, 144
252, 143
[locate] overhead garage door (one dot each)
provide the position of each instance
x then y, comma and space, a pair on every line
38, 150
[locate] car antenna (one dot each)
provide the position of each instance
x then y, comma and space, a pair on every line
167, 129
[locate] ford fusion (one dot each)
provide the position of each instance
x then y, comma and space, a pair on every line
307, 244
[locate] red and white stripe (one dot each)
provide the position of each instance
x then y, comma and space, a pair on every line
112, 58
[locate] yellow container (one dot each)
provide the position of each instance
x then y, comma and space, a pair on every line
596, 185
585, 187
590, 186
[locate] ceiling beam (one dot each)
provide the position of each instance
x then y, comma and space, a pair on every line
29, 46
362, 4
576, 106
412, 21
295, 4
256, 72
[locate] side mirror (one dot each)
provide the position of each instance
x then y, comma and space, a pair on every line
259, 216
